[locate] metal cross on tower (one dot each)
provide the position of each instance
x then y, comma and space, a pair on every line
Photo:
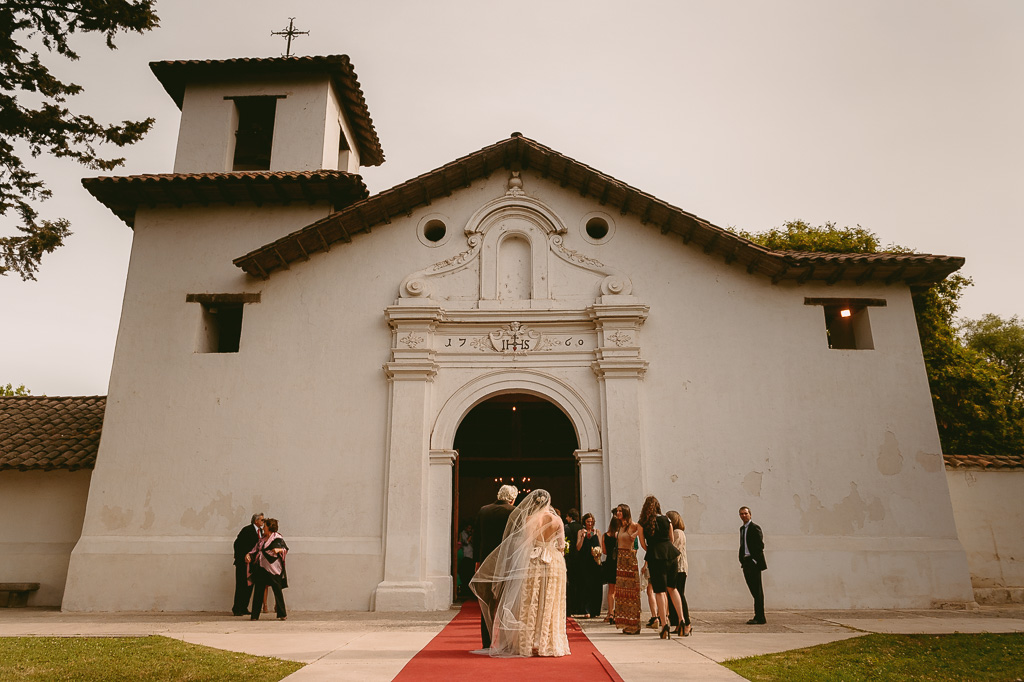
290, 33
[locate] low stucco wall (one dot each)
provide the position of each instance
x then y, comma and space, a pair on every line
989, 517
49, 507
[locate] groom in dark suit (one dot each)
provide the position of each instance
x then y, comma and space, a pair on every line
490, 531
752, 561
246, 540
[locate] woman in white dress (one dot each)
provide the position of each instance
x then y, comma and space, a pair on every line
521, 584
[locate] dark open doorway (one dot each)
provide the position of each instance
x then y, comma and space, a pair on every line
519, 439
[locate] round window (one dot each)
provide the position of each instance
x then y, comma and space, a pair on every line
434, 231
597, 227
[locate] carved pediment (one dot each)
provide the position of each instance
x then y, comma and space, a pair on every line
514, 244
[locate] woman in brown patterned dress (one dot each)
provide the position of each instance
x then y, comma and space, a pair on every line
627, 577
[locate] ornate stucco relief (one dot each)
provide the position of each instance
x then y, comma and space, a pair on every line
513, 216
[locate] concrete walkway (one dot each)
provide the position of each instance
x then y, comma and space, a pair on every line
371, 647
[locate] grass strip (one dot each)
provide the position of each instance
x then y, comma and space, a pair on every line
131, 658
917, 658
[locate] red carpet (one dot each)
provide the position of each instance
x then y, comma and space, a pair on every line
447, 657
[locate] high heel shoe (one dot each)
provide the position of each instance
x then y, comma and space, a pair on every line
678, 631
666, 633
653, 622
687, 631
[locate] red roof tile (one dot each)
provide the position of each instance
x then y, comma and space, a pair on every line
988, 462
175, 75
37, 432
123, 195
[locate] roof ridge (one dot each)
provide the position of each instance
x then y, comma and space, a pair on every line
522, 152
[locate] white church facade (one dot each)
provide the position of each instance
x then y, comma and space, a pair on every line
363, 367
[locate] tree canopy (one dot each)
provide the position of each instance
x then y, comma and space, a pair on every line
976, 388
35, 117
10, 390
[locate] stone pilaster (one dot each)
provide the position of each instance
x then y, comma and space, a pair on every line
410, 371
439, 526
593, 485
620, 370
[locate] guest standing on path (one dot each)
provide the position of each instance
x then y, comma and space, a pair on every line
627, 577
679, 540
610, 546
267, 568
662, 559
588, 557
573, 594
752, 561
244, 542
490, 530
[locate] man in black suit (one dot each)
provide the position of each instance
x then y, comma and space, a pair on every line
752, 561
490, 531
573, 603
246, 540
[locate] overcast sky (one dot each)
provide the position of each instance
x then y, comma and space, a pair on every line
902, 117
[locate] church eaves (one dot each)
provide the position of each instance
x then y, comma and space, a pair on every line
174, 75
522, 153
986, 462
123, 195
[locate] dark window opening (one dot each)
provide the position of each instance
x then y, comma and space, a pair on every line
221, 330
222, 324
434, 230
597, 228
254, 137
847, 327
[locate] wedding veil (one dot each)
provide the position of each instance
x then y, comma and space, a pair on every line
498, 584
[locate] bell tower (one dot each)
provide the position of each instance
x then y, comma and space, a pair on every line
273, 114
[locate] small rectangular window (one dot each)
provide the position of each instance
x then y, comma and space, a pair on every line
221, 327
847, 325
847, 328
254, 137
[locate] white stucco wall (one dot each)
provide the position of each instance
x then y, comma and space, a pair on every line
989, 517
743, 403
44, 510
307, 125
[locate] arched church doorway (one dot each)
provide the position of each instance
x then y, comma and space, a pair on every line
514, 438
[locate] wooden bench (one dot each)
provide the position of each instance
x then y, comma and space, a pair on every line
17, 593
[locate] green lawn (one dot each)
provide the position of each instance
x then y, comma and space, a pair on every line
131, 658
938, 658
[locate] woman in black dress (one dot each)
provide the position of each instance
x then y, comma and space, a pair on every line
266, 568
662, 559
609, 545
588, 548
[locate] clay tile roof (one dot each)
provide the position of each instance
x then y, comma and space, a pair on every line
523, 153
175, 75
123, 195
37, 432
990, 462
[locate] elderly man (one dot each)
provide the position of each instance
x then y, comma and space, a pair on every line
752, 562
246, 540
490, 531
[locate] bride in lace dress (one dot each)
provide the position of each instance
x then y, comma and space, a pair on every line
521, 584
